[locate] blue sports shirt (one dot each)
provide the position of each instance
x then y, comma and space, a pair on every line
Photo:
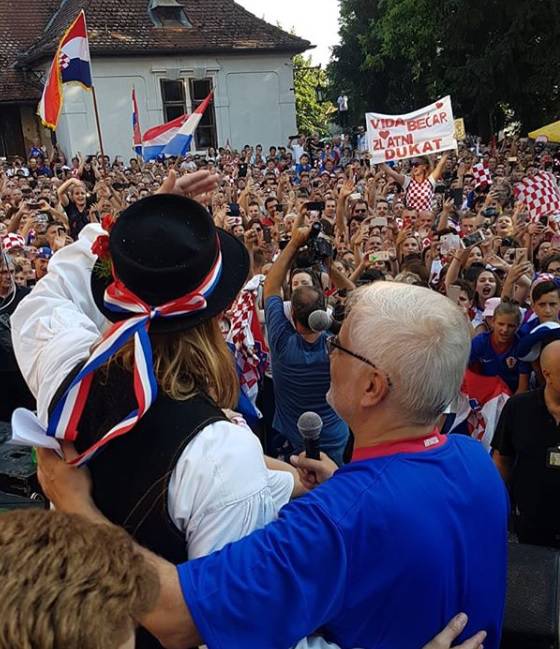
381, 556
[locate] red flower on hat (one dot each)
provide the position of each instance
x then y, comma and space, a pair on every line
100, 246
107, 222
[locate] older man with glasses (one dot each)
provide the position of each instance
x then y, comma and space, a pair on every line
390, 546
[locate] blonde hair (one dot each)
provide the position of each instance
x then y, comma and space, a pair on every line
67, 582
190, 362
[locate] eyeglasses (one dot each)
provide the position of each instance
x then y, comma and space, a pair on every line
360, 211
332, 344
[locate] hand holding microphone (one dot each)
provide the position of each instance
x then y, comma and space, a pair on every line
310, 425
312, 473
313, 466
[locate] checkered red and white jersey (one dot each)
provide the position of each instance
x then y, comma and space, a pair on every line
540, 194
12, 240
482, 175
418, 196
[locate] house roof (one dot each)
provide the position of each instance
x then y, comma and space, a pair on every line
30, 31
124, 27
21, 23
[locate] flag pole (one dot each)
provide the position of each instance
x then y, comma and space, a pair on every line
96, 111
94, 96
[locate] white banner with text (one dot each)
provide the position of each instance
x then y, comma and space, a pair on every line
425, 131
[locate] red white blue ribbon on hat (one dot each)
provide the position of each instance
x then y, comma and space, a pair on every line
65, 418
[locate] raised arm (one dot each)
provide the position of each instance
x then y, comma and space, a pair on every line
395, 175
341, 224
437, 172
458, 261
443, 221
61, 191
13, 225
57, 215
279, 269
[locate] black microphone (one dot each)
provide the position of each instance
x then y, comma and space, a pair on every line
310, 425
323, 321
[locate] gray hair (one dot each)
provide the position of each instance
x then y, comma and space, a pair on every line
419, 338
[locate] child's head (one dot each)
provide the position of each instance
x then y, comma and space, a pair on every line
545, 299
65, 582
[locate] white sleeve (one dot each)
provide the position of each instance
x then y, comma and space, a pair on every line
221, 490
406, 182
54, 327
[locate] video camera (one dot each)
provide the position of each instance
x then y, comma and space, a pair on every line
318, 248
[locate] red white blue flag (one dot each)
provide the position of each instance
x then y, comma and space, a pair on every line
181, 142
137, 136
66, 414
71, 64
156, 139
73, 54
480, 404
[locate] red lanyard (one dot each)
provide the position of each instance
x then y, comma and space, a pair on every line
414, 445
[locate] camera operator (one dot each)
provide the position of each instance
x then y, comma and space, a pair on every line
300, 362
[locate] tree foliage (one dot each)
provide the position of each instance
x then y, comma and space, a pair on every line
491, 56
312, 116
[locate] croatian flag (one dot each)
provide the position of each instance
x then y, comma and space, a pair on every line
71, 64
246, 340
180, 144
73, 54
482, 175
157, 138
479, 406
137, 136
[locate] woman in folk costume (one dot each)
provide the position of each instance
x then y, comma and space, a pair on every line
122, 347
419, 187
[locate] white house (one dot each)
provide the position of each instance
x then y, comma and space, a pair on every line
173, 52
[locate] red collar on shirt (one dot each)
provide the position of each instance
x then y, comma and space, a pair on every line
414, 445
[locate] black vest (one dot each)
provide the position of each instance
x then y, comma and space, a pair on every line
131, 473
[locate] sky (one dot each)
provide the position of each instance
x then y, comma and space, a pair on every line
314, 20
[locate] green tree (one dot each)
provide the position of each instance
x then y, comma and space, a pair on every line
312, 115
491, 56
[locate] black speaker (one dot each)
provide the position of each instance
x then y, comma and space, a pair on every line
532, 617
9, 502
18, 473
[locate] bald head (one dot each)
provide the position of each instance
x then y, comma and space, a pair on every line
550, 359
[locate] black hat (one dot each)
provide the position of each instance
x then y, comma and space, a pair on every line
162, 247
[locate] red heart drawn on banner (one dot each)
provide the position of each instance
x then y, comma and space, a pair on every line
439, 104
384, 134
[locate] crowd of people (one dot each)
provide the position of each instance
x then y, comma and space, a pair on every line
211, 275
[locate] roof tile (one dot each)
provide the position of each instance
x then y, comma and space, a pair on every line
31, 30
125, 27
20, 25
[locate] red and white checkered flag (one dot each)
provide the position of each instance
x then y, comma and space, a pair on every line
247, 341
482, 175
540, 194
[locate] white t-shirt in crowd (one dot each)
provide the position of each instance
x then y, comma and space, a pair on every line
298, 150
342, 102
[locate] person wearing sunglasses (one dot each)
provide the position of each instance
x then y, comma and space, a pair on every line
359, 210
420, 185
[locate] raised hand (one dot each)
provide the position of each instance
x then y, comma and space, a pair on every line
189, 185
